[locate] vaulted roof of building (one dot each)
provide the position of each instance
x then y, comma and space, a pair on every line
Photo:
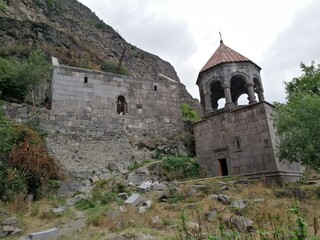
224, 54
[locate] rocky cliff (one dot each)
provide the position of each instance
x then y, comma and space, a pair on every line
73, 33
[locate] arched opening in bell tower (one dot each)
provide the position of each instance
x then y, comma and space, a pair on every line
217, 94
238, 88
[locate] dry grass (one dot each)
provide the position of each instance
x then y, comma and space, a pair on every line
269, 214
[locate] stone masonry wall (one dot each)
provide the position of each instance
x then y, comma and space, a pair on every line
244, 137
84, 102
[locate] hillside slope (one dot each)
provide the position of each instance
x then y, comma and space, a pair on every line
73, 33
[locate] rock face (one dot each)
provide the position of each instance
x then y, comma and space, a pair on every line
74, 34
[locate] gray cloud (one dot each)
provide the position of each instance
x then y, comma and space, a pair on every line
299, 42
162, 35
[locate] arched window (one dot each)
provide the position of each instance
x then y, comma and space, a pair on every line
121, 105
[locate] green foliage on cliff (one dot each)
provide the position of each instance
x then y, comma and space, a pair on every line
19, 78
113, 67
3, 7
100, 25
189, 114
297, 121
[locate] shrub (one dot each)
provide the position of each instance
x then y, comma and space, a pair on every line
180, 168
85, 204
13, 182
25, 165
189, 116
113, 67
20, 51
188, 113
50, 5
11, 85
17, 79
3, 7
100, 25
7, 139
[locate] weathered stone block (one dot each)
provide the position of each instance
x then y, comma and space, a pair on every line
159, 187
8, 228
10, 221
134, 199
50, 233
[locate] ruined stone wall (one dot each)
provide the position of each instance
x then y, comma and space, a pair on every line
245, 137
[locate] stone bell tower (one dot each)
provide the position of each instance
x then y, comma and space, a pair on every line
237, 139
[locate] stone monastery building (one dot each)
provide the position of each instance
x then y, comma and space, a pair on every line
237, 139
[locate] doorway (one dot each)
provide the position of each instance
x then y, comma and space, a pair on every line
223, 167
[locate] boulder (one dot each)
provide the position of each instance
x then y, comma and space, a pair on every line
123, 196
59, 210
241, 223
224, 199
211, 215
238, 204
69, 188
156, 222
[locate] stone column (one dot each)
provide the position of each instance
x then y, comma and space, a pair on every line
227, 95
207, 100
252, 97
260, 94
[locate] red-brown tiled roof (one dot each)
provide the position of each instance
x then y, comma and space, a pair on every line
224, 54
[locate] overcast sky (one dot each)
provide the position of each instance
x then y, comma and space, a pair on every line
275, 34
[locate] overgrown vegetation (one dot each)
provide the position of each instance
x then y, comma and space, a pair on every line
25, 166
20, 78
50, 5
297, 120
292, 226
16, 50
113, 67
175, 167
100, 25
53, 6
189, 116
3, 7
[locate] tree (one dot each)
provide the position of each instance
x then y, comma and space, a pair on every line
20, 78
297, 121
307, 83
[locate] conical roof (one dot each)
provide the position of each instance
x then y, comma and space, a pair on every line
224, 54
